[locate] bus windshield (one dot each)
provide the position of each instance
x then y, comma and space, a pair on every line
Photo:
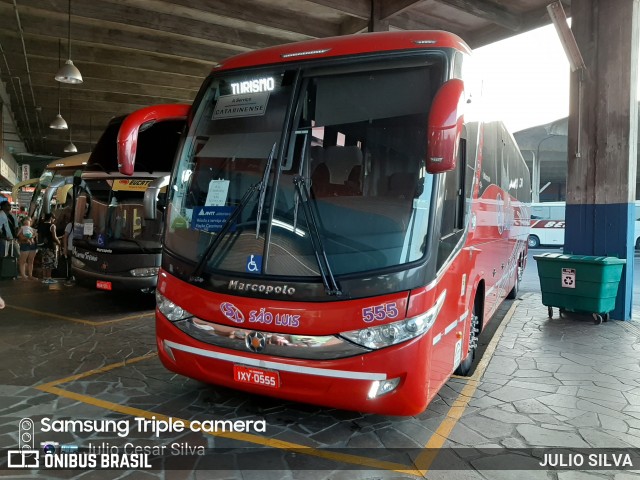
115, 214
288, 166
110, 208
54, 176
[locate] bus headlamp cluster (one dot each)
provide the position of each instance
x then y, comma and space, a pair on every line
144, 271
382, 336
170, 310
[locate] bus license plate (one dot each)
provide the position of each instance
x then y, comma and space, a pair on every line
102, 285
256, 376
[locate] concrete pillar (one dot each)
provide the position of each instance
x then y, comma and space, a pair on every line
376, 22
602, 141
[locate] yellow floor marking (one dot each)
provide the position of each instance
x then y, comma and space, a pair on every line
52, 387
98, 370
423, 461
243, 437
440, 436
80, 320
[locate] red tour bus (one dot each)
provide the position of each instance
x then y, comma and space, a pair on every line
336, 233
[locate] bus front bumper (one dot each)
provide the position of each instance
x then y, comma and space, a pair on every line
103, 281
346, 383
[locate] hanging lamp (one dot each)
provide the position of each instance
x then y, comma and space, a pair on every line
70, 148
69, 73
58, 123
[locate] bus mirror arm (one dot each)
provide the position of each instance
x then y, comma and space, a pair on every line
150, 201
127, 143
444, 130
48, 196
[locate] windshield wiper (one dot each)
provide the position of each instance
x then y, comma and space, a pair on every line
260, 186
330, 284
263, 189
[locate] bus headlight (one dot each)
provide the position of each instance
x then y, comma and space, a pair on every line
144, 271
379, 388
392, 333
170, 310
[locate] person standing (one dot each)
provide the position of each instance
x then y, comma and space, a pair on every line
8, 225
67, 250
28, 247
49, 250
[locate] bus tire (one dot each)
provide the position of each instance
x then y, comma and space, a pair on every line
464, 369
533, 241
638, 243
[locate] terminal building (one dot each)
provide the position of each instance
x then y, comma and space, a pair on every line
544, 148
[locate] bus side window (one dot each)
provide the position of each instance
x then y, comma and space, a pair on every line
453, 208
556, 213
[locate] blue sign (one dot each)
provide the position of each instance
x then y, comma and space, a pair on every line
211, 219
254, 264
102, 240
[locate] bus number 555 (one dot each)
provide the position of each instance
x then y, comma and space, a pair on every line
379, 312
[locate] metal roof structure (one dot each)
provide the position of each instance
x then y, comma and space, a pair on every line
135, 53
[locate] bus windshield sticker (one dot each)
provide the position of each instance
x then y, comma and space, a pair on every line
254, 264
131, 185
247, 105
211, 219
217, 194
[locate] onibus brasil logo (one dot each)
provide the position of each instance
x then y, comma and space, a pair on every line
53, 455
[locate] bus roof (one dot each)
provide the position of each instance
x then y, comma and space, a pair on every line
346, 45
72, 161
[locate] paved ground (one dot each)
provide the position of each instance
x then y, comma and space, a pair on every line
543, 384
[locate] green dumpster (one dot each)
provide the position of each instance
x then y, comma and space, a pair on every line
579, 283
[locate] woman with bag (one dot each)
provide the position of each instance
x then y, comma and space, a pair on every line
28, 248
48, 247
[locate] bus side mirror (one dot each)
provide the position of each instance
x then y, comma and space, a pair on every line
445, 127
135, 123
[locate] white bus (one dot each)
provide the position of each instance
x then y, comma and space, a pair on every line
547, 225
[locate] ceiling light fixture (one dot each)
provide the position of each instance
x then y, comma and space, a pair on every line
69, 73
58, 123
70, 148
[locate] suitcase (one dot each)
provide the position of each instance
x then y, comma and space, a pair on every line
8, 263
8, 267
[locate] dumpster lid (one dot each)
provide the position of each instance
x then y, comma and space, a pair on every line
564, 257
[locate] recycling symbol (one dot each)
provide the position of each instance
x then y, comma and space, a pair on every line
568, 278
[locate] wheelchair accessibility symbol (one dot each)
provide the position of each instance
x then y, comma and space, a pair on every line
254, 264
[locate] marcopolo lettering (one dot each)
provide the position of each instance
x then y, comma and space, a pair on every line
261, 288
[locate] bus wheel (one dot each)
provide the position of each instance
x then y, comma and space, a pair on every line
464, 369
533, 241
